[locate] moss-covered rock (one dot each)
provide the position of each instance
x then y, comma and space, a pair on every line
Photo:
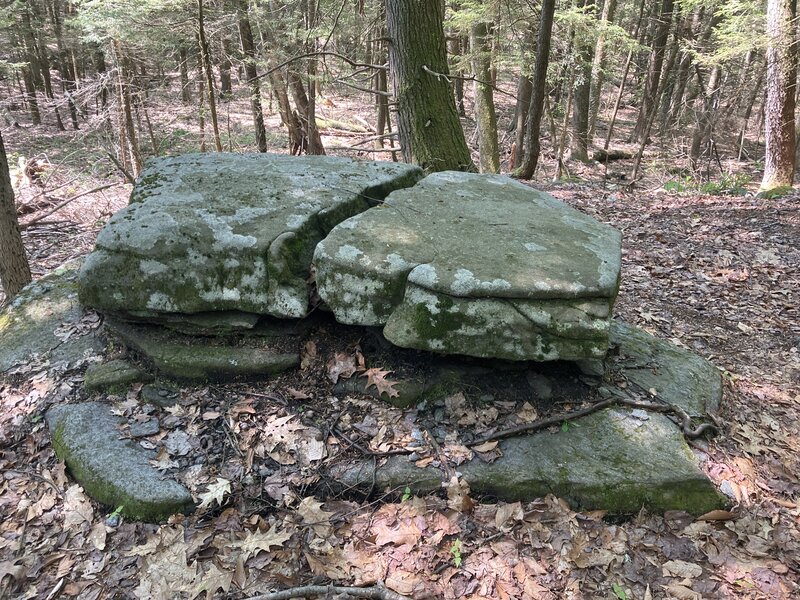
113, 471
30, 323
478, 265
114, 376
228, 232
198, 359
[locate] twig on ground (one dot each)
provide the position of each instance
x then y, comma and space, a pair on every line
60, 205
377, 592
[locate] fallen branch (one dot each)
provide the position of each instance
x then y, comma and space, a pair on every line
128, 176
60, 205
377, 592
659, 407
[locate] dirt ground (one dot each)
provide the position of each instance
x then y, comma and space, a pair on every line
717, 274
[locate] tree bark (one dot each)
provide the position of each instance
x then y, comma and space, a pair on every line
251, 73
183, 66
430, 131
128, 144
532, 146
706, 118
780, 133
579, 149
654, 72
599, 64
205, 57
485, 115
15, 273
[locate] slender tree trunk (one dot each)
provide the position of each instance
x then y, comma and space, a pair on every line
15, 273
305, 114
430, 131
129, 146
524, 90
599, 64
532, 146
183, 66
654, 72
225, 87
455, 45
251, 73
780, 133
705, 120
485, 115
582, 87
205, 57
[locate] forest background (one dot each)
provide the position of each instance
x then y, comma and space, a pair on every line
663, 118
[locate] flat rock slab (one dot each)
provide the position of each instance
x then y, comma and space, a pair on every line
197, 359
618, 459
228, 232
44, 320
113, 471
114, 376
478, 265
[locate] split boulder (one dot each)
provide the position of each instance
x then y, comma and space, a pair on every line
478, 265
228, 232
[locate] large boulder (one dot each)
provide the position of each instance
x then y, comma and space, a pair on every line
228, 232
478, 265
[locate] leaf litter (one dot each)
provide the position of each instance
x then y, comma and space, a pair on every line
717, 275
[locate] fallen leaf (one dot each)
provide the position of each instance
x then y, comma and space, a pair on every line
377, 377
458, 498
680, 568
77, 508
342, 365
215, 493
256, 541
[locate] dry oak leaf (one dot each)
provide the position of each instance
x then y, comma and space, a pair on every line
215, 493
377, 377
682, 569
341, 365
256, 541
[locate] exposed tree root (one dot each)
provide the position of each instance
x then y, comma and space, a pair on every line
377, 592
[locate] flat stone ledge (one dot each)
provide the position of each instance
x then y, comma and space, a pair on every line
113, 471
617, 459
612, 460
186, 358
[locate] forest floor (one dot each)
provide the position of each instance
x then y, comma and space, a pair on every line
717, 274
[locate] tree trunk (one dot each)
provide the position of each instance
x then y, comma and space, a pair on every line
305, 113
205, 57
430, 131
251, 73
599, 64
524, 90
532, 146
651, 90
579, 149
458, 83
705, 120
780, 134
15, 273
485, 115
225, 87
183, 65
129, 146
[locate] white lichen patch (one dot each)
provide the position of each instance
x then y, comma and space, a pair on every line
348, 253
221, 293
350, 223
160, 302
295, 221
152, 267
533, 247
424, 275
231, 263
466, 284
285, 303
224, 236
